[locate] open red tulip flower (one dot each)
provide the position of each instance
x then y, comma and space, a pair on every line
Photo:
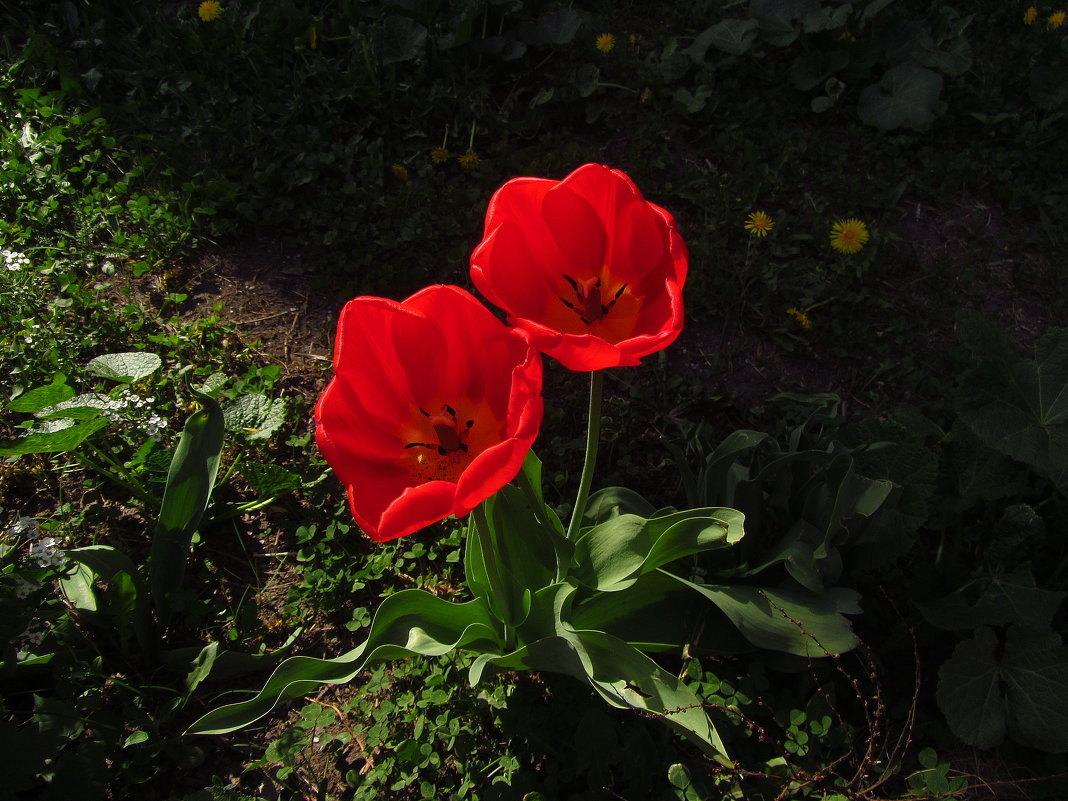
586, 265
433, 406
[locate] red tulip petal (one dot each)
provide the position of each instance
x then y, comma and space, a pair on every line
424, 390
586, 265
414, 508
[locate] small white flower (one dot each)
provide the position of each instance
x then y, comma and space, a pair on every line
26, 525
14, 260
46, 554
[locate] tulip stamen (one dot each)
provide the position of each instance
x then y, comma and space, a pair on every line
449, 433
590, 307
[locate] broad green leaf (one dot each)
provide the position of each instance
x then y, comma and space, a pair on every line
655, 614
734, 36
813, 68
400, 39
86, 406
1035, 672
201, 667
128, 599
978, 472
907, 96
77, 587
968, 693
614, 501
827, 19
37, 399
190, 481
409, 623
609, 556
256, 416
1010, 598
554, 28
785, 620
874, 7
690, 532
721, 473
1019, 406
779, 19
59, 440
528, 545
125, 367
269, 480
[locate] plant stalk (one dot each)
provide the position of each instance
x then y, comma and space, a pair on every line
593, 435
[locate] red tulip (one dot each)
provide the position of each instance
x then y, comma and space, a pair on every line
433, 406
586, 265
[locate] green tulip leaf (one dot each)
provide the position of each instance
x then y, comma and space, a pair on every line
190, 480
623, 676
612, 555
409, 623
786, 620
614, 501
609, 556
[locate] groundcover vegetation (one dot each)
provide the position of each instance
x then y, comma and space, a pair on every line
822, 554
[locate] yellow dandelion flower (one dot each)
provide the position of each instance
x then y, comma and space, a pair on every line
1056, 19
758, 223
605, 42
469, 160
633, 38
209, 10
439, 155
801, 318
400, 172
1030, 15
849, 236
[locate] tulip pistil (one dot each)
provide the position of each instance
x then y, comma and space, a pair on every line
590, 305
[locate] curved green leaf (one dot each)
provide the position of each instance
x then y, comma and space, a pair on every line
612, 555
784, 620
614, 501
623, 676
410, 623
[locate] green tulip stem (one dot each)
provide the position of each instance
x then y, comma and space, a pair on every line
593, 435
